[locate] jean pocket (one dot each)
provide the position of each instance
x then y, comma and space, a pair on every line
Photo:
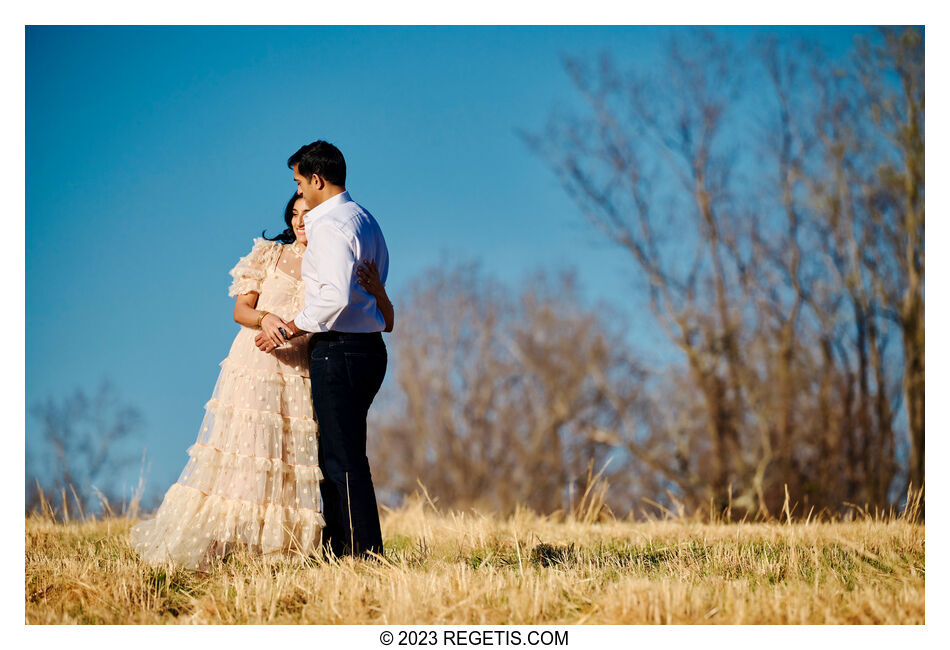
355, 366
365, 370
328, 368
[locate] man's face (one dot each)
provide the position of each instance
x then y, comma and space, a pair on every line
306, 187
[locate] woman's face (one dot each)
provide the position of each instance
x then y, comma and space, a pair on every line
300, 209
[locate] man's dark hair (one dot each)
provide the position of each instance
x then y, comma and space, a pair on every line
320, 158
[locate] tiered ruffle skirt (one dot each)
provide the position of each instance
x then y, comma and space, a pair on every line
252, 477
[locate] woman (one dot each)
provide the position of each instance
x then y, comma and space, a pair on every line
252, 479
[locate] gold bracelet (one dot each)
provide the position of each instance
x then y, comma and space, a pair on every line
261, 318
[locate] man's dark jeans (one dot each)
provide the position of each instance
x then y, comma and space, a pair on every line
346, 371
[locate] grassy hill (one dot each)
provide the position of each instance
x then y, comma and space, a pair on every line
465, 567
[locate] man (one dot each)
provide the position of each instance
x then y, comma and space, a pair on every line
347, 354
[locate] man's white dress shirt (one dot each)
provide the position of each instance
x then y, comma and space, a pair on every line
340, 235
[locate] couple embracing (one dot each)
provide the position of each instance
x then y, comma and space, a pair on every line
279, 467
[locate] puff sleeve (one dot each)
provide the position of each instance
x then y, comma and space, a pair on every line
250, 270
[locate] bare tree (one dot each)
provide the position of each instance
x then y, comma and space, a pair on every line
893, 201
81, 445
776, 298
503, 395
683, 239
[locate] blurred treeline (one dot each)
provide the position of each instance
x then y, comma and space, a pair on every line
81, 446
772, 205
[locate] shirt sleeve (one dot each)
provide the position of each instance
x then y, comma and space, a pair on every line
250, 270
327, 271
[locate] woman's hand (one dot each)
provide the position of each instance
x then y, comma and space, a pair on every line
270, 336
367, 276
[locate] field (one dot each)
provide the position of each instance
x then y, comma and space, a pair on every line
446, 567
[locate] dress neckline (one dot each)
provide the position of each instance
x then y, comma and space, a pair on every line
298, 248
289, 275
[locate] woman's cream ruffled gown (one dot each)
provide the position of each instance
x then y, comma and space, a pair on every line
252, 479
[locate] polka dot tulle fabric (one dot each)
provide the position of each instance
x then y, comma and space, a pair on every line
251, 480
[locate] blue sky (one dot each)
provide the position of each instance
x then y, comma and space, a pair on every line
155, 155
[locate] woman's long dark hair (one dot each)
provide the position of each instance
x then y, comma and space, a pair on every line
288, 236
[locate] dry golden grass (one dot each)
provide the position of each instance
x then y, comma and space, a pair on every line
463, 567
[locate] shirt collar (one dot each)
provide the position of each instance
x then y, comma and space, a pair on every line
327, 205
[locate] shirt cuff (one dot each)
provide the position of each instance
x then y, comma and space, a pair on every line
310, 323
